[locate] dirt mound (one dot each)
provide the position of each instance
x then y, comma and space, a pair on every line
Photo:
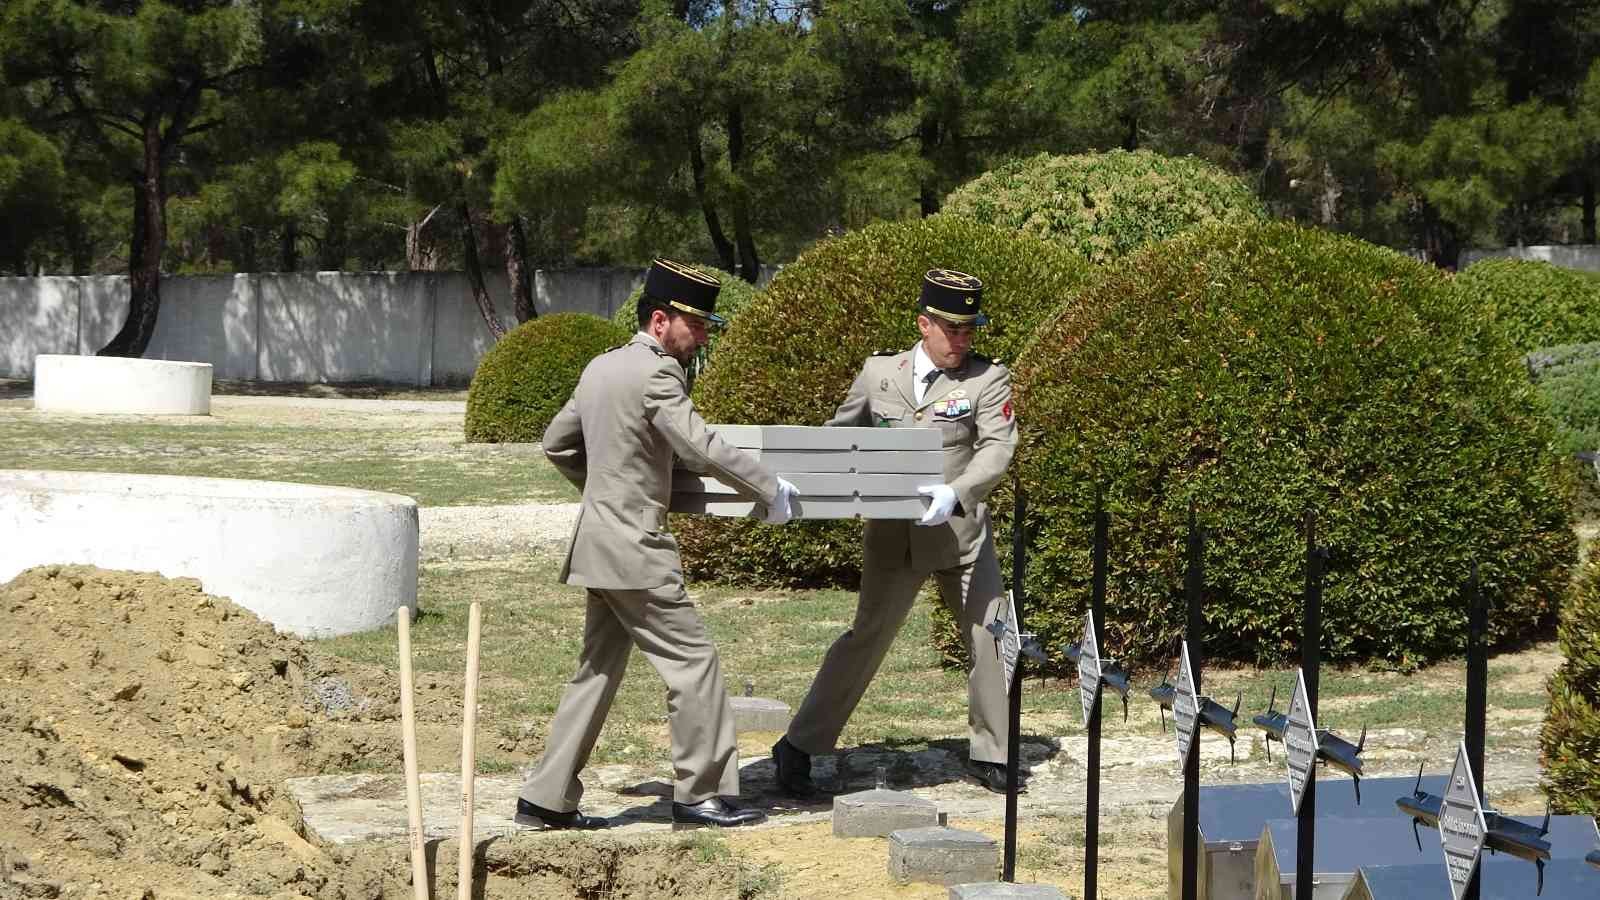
145, 728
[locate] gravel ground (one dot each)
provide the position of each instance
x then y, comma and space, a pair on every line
476, 532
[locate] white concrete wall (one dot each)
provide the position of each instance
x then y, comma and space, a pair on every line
37, 316
1585, 257
405, 327
335, 326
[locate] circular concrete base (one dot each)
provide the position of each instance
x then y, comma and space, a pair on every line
313, 561
111, 384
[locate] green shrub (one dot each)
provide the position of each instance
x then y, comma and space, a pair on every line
1568, 377
1536, 303
1260, 372
791, 355
523, 381
735, 295
1105, 205
1570, 742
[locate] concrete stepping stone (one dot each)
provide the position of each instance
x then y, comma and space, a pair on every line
760, 714
877, 813
947, 856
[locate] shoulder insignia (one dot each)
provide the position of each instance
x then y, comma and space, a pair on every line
995, 361
885, 352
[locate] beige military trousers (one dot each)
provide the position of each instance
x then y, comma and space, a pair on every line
668, 630
972, 593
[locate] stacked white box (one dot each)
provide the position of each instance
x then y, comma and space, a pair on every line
841, 473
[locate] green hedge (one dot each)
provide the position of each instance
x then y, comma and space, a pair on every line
1262, 371
523, 381
1570, 741
1536, 303
1105, 205
791, 355
1568, 377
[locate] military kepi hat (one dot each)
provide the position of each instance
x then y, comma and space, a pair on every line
684, 289
953, 296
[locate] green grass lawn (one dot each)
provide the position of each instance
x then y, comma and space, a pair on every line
533, 626
418, 454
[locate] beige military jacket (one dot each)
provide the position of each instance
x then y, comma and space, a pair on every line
615, 439
972, 407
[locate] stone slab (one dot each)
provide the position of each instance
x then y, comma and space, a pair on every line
816, 484
878, 813
947, 856
1003, 890
805, 507
816, 437
760, 714
911, 462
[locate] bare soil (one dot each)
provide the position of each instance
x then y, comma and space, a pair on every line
145, 729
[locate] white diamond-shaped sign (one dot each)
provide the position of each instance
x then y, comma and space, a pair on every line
1461, 824
1185, 706
1088, 668
1010, 640
1300, 742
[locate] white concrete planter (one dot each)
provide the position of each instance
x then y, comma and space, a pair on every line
314, 561
111, 384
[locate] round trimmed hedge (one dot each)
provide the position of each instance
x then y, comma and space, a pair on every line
525, 378
791, 355
1570, 741
1259, 372
1535, 303
1105, 205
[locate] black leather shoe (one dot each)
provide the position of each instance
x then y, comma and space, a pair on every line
992, 776
794, 769
713, 811
538, 817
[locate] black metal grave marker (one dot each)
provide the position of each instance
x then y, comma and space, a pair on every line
1462, 828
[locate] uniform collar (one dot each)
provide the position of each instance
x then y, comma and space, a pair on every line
921, 363
640, 337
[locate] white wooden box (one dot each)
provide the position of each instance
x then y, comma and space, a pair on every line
841, 473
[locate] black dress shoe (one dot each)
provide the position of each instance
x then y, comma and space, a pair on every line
713, 811
794, 769
992, 776
538, 817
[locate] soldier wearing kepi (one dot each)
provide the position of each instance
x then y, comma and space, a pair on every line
939, 383
615, 439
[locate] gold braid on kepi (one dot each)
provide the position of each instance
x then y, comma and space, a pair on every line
683, 288
953, 296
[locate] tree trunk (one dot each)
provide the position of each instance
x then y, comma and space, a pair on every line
1439, 239
697, 168
144, 252
1331, 192
422, 254
288, 251
927, 148
480, 291
749, 263
518, 275
1588, 208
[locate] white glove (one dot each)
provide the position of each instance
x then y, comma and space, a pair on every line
780, 510
941, 502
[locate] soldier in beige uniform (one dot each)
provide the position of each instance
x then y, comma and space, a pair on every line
616, 439
941, 384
